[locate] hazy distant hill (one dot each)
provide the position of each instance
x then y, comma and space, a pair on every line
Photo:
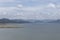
5, 20
55, 21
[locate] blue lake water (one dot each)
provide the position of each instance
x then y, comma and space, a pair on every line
46, 31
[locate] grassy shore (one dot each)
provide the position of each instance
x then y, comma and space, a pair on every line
9, 26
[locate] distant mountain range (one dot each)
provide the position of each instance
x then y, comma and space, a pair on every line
5, 20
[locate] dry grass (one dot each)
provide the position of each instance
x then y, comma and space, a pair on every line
9, 26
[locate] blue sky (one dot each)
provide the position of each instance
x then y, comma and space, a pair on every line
30, 9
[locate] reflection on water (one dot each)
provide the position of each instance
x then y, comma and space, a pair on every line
11, 34
31, 32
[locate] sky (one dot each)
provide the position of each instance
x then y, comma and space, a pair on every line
30, 9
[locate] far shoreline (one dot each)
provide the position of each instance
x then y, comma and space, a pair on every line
9, 25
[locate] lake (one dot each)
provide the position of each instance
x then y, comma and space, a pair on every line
34, 31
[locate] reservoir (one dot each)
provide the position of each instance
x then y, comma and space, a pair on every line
34, 31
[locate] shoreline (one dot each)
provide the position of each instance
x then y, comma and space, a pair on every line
10, 26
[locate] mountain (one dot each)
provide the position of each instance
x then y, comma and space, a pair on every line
5, 20
55, 21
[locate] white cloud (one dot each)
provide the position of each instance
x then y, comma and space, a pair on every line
37, 12
52, 5
19, 5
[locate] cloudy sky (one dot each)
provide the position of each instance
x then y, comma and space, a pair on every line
30, 9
